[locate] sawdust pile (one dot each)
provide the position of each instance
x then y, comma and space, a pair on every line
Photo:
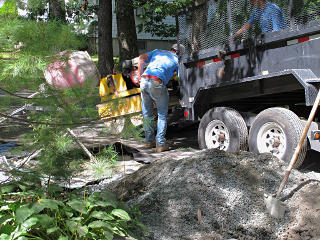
218, 195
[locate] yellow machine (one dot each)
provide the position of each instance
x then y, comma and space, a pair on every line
120, 106
116, 99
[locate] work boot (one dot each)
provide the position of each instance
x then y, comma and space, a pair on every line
149, 145
162, 148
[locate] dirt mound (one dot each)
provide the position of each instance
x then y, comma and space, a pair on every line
305, 212
218, 195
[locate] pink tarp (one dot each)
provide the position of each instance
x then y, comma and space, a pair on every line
72, 69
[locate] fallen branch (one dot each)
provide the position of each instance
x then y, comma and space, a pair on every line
17, 95
19, 109
86, 151
48, 123
19, 168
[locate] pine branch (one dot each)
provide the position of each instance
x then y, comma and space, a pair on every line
47, 123
19, 96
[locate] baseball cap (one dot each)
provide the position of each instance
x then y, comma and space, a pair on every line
179, 48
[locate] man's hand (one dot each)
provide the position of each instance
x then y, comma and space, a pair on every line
242, 30
234, 36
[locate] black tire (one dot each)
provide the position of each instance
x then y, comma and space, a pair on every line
280, 122
231, 121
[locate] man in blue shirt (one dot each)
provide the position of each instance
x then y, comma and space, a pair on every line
162, 65
267, 14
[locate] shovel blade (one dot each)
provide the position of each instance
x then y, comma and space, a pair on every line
275, 207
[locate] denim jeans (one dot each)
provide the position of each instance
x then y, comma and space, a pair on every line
152, 91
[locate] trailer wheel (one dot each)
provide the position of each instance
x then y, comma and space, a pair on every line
277, 131
224, 129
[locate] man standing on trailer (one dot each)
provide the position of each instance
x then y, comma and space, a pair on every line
162, 66
267, 14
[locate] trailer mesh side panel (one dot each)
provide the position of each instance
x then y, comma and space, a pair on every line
215, 22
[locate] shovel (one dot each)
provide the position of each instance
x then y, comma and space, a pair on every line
275, 207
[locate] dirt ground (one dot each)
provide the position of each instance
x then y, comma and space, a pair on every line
305, 211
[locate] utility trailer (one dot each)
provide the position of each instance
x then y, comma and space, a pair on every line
256, 92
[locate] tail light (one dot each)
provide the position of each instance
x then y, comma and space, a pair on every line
315, 135
186, 113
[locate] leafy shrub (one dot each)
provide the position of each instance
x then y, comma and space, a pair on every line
97, 216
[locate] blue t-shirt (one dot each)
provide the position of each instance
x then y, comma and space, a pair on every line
162, 64
270, 18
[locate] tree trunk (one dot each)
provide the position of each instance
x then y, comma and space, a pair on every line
57, 10
127, 35
105, 50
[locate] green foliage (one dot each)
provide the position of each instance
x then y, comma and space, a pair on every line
38, 40
81, 12
105, 160
9, 9
26, 49
36, 8
97, 216
306, 10
130, 130
45, 38
57, 155
58, 109
109, 154
156, 11
41, 43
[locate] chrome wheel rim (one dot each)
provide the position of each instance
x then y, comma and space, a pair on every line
217, 135
272, 139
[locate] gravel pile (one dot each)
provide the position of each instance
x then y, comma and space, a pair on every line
217, 195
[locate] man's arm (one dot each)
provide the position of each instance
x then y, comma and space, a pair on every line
243, 29
247, 25
142, 59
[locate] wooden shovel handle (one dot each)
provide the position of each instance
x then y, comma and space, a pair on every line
298, 149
